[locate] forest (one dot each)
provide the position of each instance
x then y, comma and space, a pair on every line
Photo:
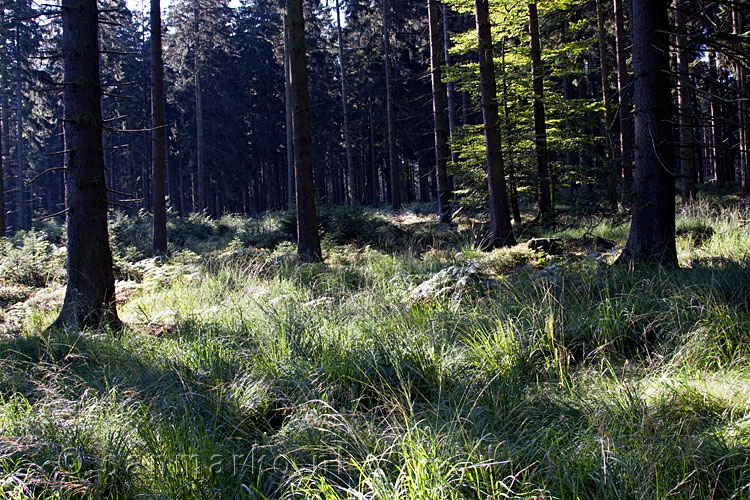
375, 249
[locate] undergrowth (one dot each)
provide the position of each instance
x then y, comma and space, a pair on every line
245, 374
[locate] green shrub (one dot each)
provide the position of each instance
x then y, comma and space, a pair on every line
30, 259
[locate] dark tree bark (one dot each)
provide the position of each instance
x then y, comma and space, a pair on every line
158, 132
450, 93
354, 180
544, 182
395, 183
715, 113
626, 134
515, 207
308, 239
438, 113
501, 230
685, 116
90, 291
23, 217
652, 230
2, 173
202, 195
288, 120
742, 107
604, 68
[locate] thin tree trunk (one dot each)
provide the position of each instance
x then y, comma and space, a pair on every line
714, 145
515, 208
604, 68
202, 203
308, 239
395, 184
451, 95
90, 292
2, 173
652, 230
353, 191
544, 196
685, 118
626, 135
21, 207
158, 133
501, 230
742, 107
288, 121
438, 113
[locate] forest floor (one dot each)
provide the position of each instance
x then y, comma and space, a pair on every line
410, 365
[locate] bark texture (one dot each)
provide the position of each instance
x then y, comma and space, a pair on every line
544, 182
438, 113
501, 230
308, 239
158, 132
685, 115
652, 230
90, 291
395, 184
626, 133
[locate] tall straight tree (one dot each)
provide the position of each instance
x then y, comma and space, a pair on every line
652, 230
544, 182
2, 175
308, 239
395, 183
684, 112
90, 292
501, 230
353, 193
626, 135
438, 112
604, 68
288, 119
158, 132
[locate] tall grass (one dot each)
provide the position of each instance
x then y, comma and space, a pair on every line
249, 375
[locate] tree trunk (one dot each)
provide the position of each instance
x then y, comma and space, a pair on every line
158, 132
604, 68
395, 184
22, 215
685, 116
544, 196
90, 291
652, 230
626, 136
715, 111
2, 173
501, 230
308, 239
353, 192
202, 201
438, 113
742, 107
288, 120
451, 95
515, 207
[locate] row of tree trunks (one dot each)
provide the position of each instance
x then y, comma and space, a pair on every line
353, 185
